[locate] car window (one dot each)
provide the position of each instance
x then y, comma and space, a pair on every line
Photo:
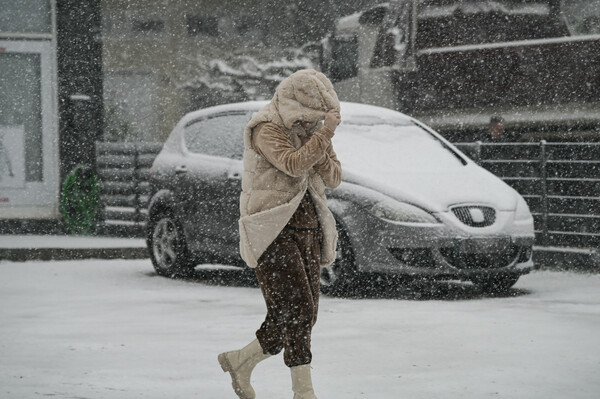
219, 135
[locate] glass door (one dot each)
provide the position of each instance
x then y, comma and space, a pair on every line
29, 183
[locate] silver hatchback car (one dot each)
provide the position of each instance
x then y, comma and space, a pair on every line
409, 204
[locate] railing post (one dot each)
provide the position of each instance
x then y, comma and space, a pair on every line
100, 216
544, 178
478, 152
136, 181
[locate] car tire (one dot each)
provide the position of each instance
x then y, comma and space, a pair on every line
167, 246
496, 284
340, 278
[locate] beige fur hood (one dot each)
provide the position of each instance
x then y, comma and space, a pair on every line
305, 95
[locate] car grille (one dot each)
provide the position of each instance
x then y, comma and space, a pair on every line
489, 260
475, 216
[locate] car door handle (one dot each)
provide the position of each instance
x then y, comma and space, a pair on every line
181, 169
234, 175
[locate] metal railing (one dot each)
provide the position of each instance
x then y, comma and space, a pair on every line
559, 181
123, 169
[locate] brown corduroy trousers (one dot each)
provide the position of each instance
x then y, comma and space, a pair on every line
288, 274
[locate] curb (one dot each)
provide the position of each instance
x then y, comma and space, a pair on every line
27, 254
544, 258
567, 259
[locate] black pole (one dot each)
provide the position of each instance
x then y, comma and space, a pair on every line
80, 108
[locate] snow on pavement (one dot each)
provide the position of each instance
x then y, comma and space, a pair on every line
113, 329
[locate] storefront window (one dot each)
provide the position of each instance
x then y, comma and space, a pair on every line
20, 119
25, 16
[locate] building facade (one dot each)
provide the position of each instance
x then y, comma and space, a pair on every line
29, 163
165, 58
51, 102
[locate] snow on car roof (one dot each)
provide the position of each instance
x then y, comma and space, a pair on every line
351, 112
356, 113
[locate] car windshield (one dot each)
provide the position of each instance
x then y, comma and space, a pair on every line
372, 146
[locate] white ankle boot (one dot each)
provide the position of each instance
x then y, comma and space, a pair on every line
302, 383
240, 364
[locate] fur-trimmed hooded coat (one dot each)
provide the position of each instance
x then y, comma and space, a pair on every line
271, 194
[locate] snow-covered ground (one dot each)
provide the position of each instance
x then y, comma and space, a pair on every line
113, 329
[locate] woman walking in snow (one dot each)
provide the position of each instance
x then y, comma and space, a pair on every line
287, 232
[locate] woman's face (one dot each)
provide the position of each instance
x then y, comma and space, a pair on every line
305, 128
308, 125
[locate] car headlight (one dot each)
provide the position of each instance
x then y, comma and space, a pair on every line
522, 212
401, 212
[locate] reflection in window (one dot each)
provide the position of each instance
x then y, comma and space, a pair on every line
220, 136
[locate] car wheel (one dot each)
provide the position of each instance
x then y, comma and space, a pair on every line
495, 284
340, 277
168, 249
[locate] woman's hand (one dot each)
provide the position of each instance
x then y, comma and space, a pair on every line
333, 119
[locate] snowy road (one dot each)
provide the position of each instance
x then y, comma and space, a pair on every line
113, 329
